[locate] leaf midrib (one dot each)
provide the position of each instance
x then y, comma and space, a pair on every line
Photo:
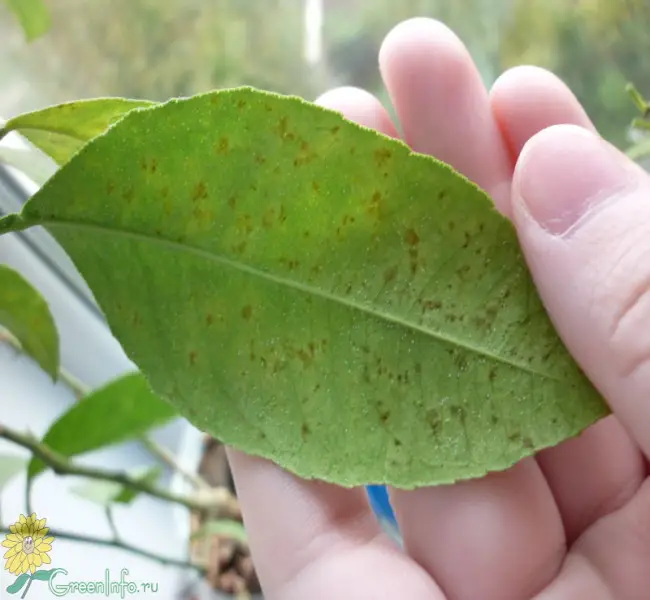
184, 247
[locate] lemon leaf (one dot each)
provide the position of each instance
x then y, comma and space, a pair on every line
26, 315
123, 409
313, 292
33, 16
61, 130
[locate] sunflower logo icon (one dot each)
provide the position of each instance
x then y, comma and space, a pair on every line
28, 546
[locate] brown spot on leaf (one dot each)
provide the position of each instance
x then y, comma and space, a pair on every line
382, 156
411, 237
430, 305
305, 431
232, 201
315, 187
222, 147
373, 208
193, 355
200, 191
209, 319
390, 274
247, 312
384, 415
241, 103
306, 358
493, 374
334, 130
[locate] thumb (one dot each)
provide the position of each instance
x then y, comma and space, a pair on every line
582, 212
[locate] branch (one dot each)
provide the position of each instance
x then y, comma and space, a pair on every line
218, 501
164, 560
81, 390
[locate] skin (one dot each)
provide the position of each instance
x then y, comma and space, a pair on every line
572, 522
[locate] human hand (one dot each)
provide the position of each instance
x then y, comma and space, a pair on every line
573, 522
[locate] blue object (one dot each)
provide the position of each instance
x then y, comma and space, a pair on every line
380, 503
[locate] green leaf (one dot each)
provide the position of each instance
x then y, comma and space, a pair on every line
43, 574
30, 161
61, 130
33, 16
17, 585
122, 410
10, 466
25, 313
109, 492
310, 291
224, 527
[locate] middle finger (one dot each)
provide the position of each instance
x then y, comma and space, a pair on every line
473, 537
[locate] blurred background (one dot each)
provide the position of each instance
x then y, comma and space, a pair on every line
158, 49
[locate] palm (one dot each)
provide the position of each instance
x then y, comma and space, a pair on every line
570, 523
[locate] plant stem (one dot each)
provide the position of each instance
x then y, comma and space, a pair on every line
638, 100
218, 501
166, 457
164, 560
28, 495
78, 388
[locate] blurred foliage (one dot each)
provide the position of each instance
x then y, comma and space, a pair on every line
155, 50
596, 46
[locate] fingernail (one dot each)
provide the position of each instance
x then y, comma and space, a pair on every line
566, 172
